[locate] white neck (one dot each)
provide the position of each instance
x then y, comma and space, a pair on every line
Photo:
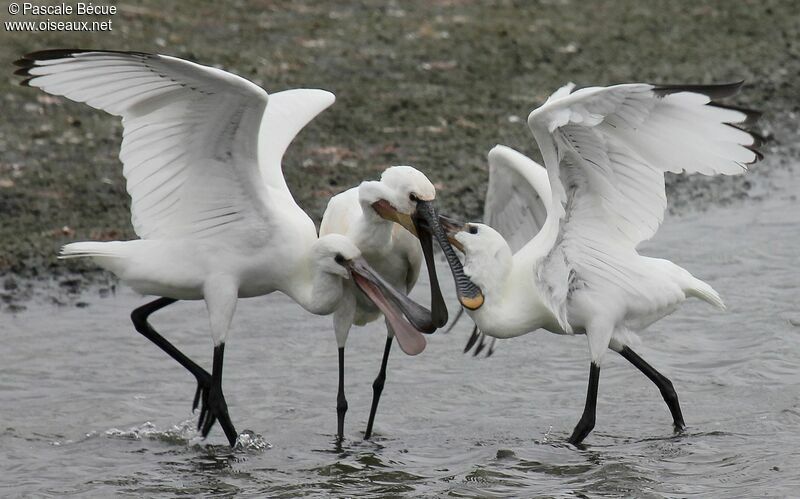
371, 231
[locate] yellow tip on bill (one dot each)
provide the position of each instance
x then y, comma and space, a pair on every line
473, 303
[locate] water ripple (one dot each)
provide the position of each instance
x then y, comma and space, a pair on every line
448, 424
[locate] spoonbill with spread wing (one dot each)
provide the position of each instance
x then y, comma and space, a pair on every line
578, 272
201, 154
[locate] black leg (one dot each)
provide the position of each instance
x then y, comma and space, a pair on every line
214, 406
139, 318
341, 401
586, 423
662, 382
377, 388
209, 386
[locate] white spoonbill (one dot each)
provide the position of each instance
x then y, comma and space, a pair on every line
201, 154
605, 152
405, 195
515, 209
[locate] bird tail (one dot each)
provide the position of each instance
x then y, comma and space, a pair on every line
705, 292
90, 249
111, 255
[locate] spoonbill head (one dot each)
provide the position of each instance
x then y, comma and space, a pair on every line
330, 255
512, 305
396, 197
397, 193
487, 255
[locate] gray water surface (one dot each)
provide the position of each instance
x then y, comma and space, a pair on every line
89, 407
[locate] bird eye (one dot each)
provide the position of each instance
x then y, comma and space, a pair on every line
413, 197
339, 259
473, 229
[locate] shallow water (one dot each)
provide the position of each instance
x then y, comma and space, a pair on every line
89, 407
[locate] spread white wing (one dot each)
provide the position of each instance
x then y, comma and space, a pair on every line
517, 196
516, 204
201, 147
606, 151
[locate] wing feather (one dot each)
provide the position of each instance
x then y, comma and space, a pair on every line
517, 196
201, 147
606, 151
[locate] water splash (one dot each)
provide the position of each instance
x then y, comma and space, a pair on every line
546, 437
180, 433
185, 433
251, 442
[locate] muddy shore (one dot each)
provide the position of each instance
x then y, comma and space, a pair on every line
430, 84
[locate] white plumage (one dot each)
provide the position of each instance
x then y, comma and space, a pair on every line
605, 152
201, 156
390, 249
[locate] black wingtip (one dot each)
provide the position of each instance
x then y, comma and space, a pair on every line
28, 61
758, 139
26, 64
50, 54
714, 92
718, 91
758, 154
750, 115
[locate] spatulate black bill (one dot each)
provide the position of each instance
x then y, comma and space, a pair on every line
469, 294
439, 315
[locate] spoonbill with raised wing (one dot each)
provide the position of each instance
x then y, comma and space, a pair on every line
201, 154
605, 150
